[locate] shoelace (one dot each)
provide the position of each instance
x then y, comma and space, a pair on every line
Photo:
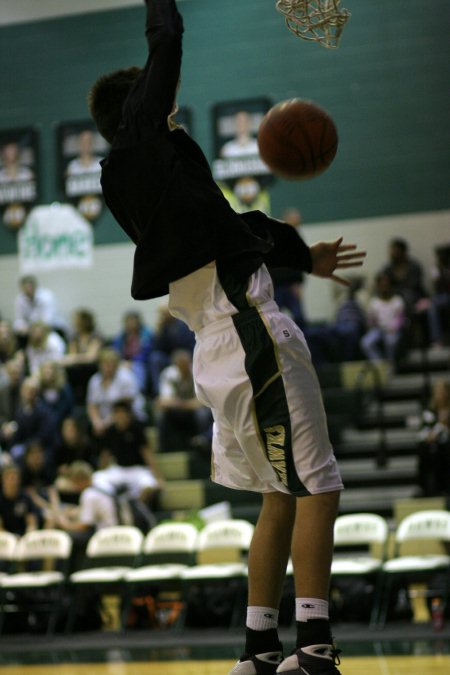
335, 655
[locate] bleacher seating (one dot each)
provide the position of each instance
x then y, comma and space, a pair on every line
368, 412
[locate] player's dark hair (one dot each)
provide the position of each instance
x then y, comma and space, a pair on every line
106, 98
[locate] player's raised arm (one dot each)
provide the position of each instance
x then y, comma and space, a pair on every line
164, 31
163, 20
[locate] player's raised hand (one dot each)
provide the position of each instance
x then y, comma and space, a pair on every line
329, 256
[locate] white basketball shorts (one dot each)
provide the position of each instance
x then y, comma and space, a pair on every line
254, 371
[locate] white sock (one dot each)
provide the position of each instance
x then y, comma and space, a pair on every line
262, 618
310, 608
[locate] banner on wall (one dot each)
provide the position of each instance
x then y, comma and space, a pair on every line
237, 167
18, 175
80, 150
55, 237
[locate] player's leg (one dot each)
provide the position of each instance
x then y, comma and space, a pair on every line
304, 527
267, 561
312, 549
314, 477
312, 543
270, 549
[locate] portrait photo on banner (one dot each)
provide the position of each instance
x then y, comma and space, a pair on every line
237, 166
18, 175
80, 150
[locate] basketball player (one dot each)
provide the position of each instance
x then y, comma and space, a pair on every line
251, 364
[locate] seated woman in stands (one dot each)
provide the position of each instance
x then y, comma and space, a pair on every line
55, 393
83, 349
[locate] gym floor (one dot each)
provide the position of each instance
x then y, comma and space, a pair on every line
399, 649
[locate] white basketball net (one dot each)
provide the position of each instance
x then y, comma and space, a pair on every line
320, 21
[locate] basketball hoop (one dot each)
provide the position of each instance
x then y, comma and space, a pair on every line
319, 21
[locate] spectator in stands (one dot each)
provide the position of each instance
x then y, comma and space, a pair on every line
406, 276
85, 341
54, 391
181, 418
126, 459
31, 421
386, 320
38, 478
96, 508
83, 349
33, 303
340, 341
43, 344
134, 344
11, 378
74, 445
170, 334
350, 323
5, 412
18, 514
9, 347
287, 284
439, 309
434, 443
112, 382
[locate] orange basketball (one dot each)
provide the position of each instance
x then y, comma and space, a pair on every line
297, 139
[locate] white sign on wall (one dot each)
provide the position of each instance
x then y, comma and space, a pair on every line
55, 237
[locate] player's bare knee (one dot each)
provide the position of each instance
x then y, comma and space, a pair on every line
326, 503
279, 504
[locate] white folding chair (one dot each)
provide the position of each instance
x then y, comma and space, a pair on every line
111, 552
226, 538
43, 557
8, 545
354, 535
169, 548
420, 526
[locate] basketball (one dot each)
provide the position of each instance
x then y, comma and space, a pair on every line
297, 139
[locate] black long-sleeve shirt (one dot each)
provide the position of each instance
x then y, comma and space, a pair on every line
159, 187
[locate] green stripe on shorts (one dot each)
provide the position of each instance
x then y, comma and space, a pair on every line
271, 411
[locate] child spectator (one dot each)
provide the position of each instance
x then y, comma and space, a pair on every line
96, 509
386, 319
127, 460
